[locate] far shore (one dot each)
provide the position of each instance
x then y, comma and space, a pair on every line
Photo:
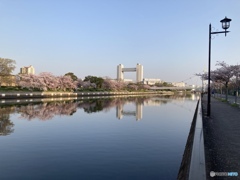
29, 94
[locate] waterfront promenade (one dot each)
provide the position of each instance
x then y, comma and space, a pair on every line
221, 138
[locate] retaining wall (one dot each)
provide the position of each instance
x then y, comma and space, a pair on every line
25, 95
193, 161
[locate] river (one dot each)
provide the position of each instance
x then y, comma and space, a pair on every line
109, 138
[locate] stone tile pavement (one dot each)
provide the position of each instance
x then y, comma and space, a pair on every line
221, 138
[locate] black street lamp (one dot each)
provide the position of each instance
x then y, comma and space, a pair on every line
225, 25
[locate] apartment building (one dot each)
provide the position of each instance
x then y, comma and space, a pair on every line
27, 70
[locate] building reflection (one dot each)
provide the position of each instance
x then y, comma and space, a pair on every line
46, 110
138, 113
120, 112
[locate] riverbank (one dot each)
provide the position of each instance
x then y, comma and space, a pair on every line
193, 161
221, 138
26, 95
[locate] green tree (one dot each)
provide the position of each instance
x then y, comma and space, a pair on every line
165, 84
94, 79
7, 66
72, 75
94, 106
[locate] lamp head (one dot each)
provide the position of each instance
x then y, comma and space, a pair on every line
225, 23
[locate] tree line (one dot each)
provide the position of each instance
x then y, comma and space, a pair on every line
46, 81
224, 78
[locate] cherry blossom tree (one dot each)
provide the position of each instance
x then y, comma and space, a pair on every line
113, 85
79, 83
224, 74
66, 82
49, 80
109, 84
235, 81
88, 85
132, 86
30, 81
46, 81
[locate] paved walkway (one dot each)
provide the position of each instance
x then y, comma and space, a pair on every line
221, 138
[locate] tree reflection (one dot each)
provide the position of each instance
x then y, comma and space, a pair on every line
96, 105
6, 126
46, 111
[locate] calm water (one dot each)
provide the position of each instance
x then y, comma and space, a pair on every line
112, 138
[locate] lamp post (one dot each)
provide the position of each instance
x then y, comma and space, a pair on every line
225, 25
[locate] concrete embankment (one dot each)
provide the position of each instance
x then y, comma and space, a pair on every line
193, 161
25, 95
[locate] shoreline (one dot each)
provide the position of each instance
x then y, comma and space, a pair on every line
27, 95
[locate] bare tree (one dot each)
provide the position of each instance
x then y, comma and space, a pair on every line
7, 66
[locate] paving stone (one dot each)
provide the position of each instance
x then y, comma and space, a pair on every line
221, 138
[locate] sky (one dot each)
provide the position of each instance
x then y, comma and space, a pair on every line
91, 37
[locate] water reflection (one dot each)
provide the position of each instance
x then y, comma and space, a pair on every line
47, 110
6, 126
137, 113
89, 142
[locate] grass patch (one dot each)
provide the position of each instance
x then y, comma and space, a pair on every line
12, 89
234, 105
224, 100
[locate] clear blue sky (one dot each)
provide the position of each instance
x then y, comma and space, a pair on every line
91, 37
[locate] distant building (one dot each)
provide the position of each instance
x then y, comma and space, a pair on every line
151, 81
138, 70
27, 70
179, 84
127, 80
192, 85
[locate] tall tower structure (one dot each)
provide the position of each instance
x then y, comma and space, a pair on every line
120, 72
139, 74
138, 69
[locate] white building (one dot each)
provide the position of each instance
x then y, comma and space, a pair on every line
128, 80
139, 73
138, 70
27, 70
179, 84
151, 81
